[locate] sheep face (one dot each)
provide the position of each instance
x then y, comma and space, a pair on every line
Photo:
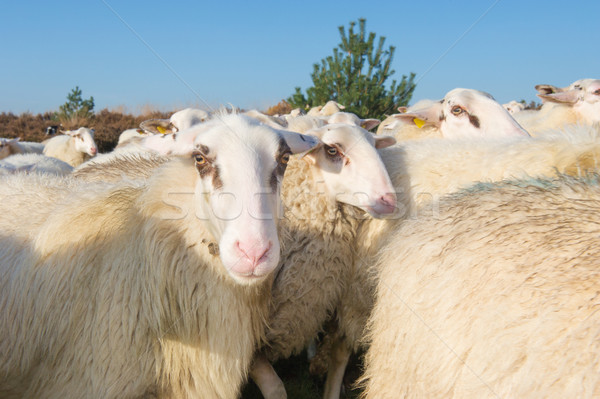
240, 165
84, 140
467, 113
352, 169
583, 95
4, 148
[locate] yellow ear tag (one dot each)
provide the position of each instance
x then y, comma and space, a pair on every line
419, 122
161, 129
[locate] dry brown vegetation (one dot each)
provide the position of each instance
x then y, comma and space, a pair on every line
108, 125
281, 108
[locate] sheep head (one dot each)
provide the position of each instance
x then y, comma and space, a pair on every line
466, 113
180, 120
583, 95
84, 140
239, 165
351, 168
5, 147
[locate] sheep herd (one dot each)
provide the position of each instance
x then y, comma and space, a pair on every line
456, 247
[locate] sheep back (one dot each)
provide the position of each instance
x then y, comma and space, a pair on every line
497, 296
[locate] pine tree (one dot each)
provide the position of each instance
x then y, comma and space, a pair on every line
346, 78
76, 107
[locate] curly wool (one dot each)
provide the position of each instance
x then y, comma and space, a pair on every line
425, 172
497, 296
317, 238
106, 293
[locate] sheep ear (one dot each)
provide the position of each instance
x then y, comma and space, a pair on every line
402, 110
299, 142
158, 126
547, 89
564, 97
369, 124
384, 141
424, 116
71, 132
15, 140
415, 119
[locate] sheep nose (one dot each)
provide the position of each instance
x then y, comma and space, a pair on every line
94, 151
254, 252
387, 203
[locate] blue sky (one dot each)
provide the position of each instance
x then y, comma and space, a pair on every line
253, 54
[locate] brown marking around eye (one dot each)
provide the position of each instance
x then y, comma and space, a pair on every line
474, 120
209, 168
280, 168
338, 157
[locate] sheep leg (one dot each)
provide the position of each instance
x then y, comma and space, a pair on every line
265, 377
340, 354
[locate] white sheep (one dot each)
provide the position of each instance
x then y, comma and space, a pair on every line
496, 295
74, 147
513, 107
325, 195
155, 287
272, 121
10, 147
330, 108
578, 103
423, 172
352, 119
32, 162
304, 123
408, 129
131, 135
297, 112
180, 120
461, 113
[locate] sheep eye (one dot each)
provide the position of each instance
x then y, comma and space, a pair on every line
200, 159
285, 158
597, 92
332, 151
457, 110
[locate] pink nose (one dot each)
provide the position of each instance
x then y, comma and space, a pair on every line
94, 151
253, 252
386, 203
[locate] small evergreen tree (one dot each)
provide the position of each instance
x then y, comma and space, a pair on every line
76, 107
345, 78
